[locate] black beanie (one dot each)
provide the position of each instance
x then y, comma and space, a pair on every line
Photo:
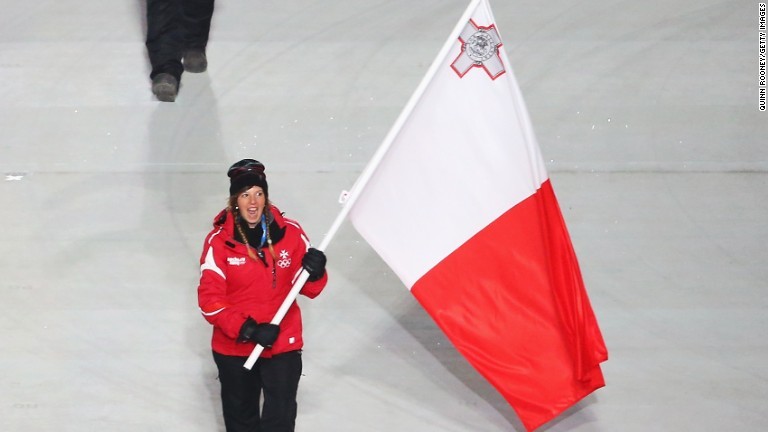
247, 172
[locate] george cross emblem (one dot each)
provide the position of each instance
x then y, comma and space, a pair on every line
479, 48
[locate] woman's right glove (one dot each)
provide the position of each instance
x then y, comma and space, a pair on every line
264, 334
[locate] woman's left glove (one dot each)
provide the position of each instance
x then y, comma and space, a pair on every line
314, 263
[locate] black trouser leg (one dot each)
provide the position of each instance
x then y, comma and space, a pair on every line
165, 37
278, 377
240, 393
197, 22
280, 381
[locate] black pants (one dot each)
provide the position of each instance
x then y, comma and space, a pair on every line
278, 377
172, 27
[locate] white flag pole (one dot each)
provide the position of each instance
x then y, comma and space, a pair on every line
367, 173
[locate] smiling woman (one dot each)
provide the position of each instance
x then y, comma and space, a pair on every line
251, 205
240, 290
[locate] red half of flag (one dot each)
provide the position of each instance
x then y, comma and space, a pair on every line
512, 301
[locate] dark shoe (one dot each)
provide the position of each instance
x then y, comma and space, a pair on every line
195, 61
165, 86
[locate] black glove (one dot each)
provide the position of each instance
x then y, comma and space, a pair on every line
263, 334
314, 263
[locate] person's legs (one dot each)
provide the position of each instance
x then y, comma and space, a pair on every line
280, 380
197, 26
197, 22
164, 45
240, 393
164, 37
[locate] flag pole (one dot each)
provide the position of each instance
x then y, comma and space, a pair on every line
368, 171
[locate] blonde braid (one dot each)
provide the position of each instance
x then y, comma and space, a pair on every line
272, 252
269, 244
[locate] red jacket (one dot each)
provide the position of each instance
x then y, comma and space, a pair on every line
233, 286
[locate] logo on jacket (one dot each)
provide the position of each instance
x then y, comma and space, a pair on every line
285, 259
235, 261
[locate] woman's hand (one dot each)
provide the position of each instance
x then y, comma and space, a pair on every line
314, 263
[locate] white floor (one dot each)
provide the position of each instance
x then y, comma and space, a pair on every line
647, 114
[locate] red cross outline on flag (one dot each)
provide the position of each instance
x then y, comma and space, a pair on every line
479, 48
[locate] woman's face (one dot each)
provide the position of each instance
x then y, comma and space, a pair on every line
251, 204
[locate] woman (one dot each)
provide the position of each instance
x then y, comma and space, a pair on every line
249, 263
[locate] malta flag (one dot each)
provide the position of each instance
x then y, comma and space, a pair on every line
458, 203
